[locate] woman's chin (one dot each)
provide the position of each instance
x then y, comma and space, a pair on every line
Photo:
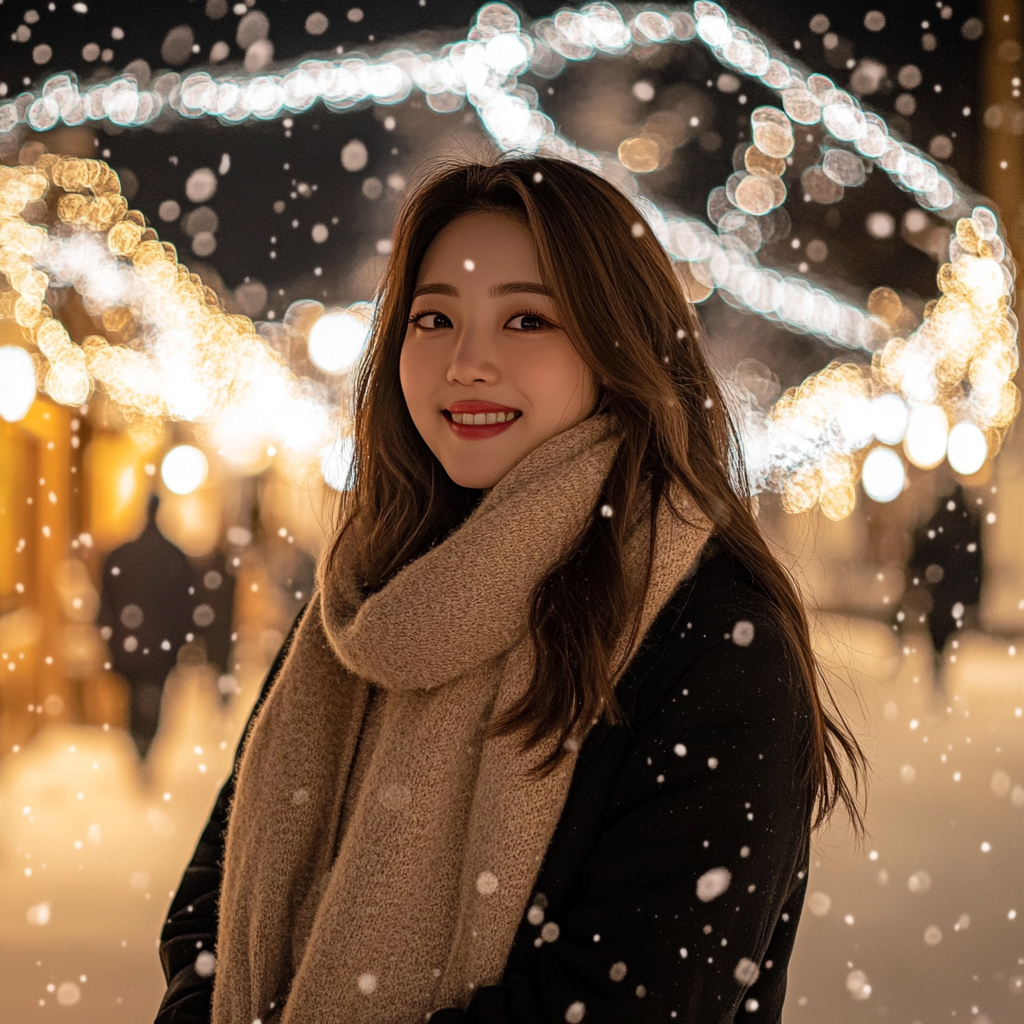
474, 481
474, 475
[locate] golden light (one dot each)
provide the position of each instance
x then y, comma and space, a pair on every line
198, 362
202, 364
115, 467
967, 449
640, 154
755, 195
773, 132
192, 521
883, 475
926, 436
889, 415
337, 339
245, 452
17, 383
184, 469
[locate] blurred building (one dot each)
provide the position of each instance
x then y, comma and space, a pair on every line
74, 488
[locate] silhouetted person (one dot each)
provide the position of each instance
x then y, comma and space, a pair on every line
945, 572
213, 614
145, 615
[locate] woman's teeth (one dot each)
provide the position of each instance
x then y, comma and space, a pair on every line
477, 419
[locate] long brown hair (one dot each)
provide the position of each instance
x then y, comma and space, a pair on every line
625, 311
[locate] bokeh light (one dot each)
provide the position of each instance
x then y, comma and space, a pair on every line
337, 339
184, 469
640, 155
883, 475
226, 374
890, 415
17, 383
499, 48
335, 463
926, 436
967, 448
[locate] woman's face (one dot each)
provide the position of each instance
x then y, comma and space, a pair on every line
484, 338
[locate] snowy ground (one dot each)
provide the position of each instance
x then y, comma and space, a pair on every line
89, 855
925, 924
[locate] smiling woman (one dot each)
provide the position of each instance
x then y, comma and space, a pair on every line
551, 718
483, 339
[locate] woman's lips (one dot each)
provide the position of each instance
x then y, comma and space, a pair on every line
477, 432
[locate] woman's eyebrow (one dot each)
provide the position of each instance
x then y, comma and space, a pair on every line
435, 289
510, 288
518, 286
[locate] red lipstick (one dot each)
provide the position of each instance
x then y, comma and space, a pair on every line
477, 432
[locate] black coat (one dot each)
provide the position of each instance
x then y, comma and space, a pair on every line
701, 786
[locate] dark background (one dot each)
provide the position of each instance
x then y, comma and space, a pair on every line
270, 160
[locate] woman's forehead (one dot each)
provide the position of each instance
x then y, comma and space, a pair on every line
484, 243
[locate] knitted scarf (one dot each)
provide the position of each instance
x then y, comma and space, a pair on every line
420, 903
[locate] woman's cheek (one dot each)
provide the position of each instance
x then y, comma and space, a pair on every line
410, 364
421, 357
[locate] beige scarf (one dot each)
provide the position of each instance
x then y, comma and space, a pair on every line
445, 839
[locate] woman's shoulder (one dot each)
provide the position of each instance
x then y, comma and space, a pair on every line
722, 645
720, 588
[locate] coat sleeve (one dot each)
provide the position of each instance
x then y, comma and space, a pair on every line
191, 925
687, 905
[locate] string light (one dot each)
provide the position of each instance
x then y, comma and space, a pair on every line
200, 363
184, 358
483, 68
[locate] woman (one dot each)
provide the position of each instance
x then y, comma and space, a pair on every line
547, 742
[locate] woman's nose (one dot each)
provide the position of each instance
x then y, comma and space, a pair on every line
471, 360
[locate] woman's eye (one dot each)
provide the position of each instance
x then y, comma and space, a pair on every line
431, 321
527, 322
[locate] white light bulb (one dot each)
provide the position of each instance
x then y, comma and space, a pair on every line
926, 436
882, 475
184, 469
17, 383
967, 449
336, 340
889, 414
